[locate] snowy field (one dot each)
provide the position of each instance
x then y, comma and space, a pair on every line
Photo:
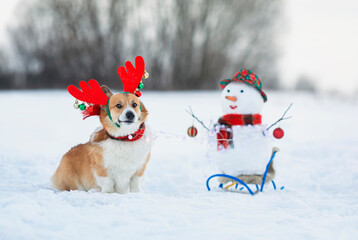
317, 164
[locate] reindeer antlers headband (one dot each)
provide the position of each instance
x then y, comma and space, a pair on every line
93, 95
132, 78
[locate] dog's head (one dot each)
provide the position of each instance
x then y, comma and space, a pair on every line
123, 114
120, 114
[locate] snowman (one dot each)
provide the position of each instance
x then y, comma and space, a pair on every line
244, 146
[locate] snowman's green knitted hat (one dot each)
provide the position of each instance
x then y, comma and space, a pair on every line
247, 77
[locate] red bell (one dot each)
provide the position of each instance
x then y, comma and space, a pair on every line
138, 93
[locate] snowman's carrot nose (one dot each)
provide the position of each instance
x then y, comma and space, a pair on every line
231, 98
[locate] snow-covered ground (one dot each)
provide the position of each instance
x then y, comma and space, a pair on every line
317, 164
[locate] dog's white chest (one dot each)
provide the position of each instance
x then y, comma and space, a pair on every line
125, 156
122, 159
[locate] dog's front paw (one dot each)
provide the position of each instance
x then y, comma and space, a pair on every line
135, 183
135, 189
107, 189
94, 190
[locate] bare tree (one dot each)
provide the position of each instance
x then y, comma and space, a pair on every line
187, 44
5, 74
305, 83
197, 43
70, 40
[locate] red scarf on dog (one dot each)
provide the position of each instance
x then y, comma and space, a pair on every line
131, 137
224, 136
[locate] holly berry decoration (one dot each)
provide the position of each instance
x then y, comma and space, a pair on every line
81, 106
192, 131
278, 133
141, 85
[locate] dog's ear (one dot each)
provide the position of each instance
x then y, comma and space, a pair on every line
106, 90
144, 112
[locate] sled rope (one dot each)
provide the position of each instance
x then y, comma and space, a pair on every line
229, 186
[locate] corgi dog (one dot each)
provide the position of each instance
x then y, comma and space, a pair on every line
116, 156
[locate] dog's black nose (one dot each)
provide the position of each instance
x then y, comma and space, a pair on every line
130, 115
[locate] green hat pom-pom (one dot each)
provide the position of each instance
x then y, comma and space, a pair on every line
140, 86
82, 106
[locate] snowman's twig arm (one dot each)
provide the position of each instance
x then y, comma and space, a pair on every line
282, 118
197, 119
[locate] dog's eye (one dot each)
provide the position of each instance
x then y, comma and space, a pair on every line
228, 90
242, 91
134, 105
119, 105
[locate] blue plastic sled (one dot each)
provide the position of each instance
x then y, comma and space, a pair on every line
243, 183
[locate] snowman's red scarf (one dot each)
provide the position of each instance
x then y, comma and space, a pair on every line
240, 119
224, 136
131, 137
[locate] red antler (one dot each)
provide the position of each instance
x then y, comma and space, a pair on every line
133, 77
91, 93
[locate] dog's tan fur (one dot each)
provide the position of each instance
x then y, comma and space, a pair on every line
78, 165
141, 171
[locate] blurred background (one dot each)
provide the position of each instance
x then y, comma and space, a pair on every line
187, 44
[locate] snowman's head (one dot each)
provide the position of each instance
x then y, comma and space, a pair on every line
241, 98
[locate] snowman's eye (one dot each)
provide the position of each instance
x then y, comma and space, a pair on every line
242, 91
228, 90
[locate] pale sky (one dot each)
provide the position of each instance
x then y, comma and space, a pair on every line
319, 39
7, 8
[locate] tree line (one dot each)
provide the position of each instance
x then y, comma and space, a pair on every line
186, 44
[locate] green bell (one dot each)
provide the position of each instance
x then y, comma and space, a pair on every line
82, 106
140, 86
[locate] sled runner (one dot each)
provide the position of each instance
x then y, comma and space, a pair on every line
237, 181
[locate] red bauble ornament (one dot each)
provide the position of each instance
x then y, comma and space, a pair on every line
278, 133
192, 131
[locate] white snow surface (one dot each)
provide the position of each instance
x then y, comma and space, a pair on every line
317, 164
